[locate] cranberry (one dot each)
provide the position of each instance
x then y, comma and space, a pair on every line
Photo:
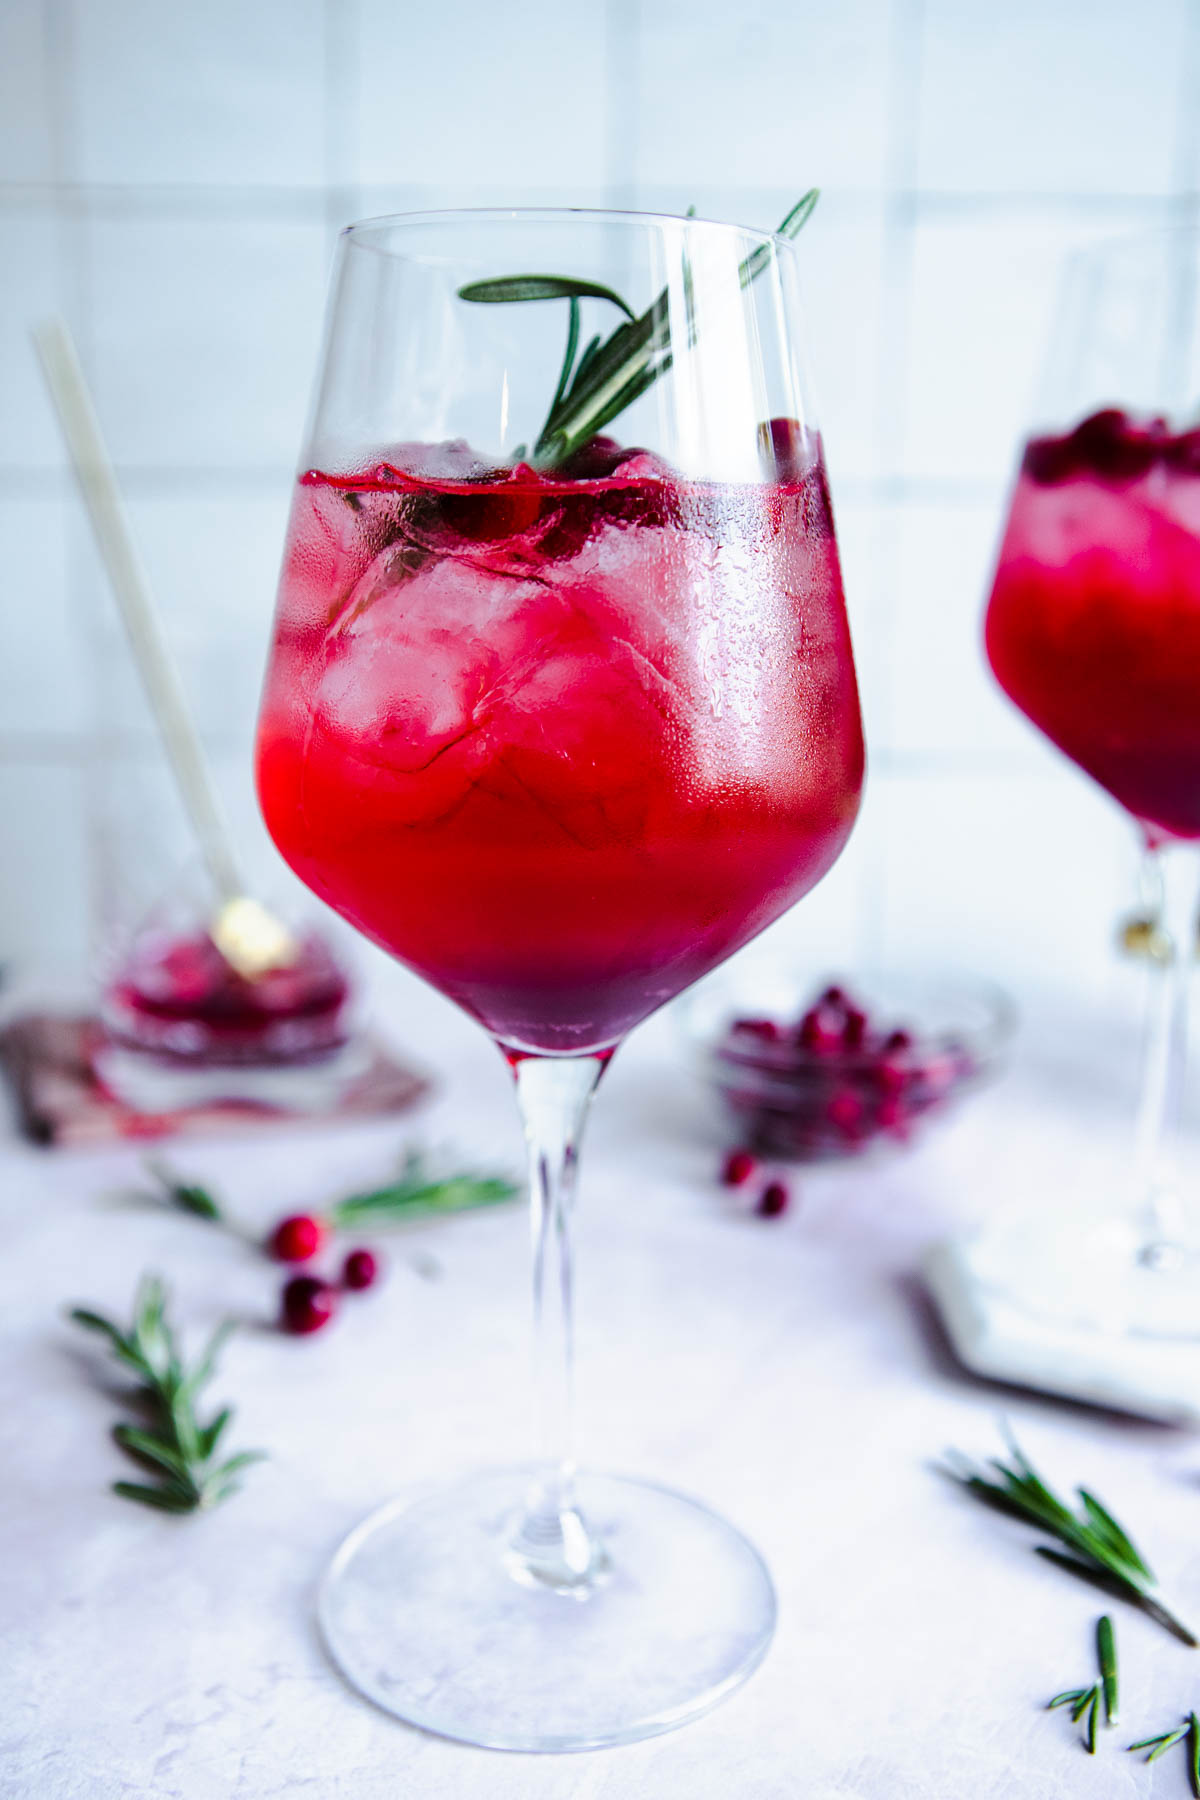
1183, 452
359, 1270
1110, 444
766, 1029
486, 517
738, 1167
893, 1116
595, 460
773, 1200
297, 1238
820, 1031
308, 1304
1049, 460
854, 1031
845, 1113
783, 441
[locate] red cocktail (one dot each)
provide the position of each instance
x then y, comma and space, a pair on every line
1094, 623
560, 742
560, 725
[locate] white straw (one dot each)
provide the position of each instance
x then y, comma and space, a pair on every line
98, 483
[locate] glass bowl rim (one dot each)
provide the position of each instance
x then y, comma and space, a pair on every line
361, 234
705, 1038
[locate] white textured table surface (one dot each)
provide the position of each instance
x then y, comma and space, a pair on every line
788, 1372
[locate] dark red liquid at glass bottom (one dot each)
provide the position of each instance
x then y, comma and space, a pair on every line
1093, 627
561, 745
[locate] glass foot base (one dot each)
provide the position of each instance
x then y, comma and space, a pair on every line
1092, 1274
421, 1613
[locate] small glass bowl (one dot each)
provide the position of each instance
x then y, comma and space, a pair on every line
811, 1070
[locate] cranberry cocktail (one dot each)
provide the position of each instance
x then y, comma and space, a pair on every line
1094, 623
561, 742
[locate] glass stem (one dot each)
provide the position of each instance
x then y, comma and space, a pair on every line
553, 1546
1165, 1225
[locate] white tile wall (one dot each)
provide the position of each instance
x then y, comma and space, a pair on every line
1078, 97
31, 285
202, 335
26, 140
170, 176
218, 93
44, 688
492, 97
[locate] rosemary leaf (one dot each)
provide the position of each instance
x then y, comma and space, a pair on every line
173, 1444
1194, 1749
1091, 1722
1104, 1523
1067, 1699
1106, 1655
188, 1196
416, 1193
1086, 1698
541, 287
612, 375
166, 1499
1097, 1549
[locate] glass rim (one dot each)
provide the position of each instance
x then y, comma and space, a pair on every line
360, 232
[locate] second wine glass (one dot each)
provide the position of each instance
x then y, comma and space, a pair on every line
1093, 630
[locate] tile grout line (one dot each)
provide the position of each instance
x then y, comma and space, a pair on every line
893, 347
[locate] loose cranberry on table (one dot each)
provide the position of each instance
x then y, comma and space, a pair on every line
738, 1167
360, 1270
307, 1304
297, 1238
773, 1200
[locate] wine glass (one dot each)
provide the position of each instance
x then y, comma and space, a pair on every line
1093, 630
560, 721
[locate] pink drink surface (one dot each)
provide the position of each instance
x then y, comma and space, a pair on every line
560, 744
1093, 628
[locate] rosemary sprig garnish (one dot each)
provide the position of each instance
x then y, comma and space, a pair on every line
612, 372
172, 1444
1156, 1746
416, 1194
1087, 1701
1100, 1550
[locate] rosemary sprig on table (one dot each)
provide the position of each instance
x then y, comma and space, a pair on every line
612, 372
1081, 1701
172, 1444
1088, 1700
416, 1193
1098, 1550
188, 1196
1190, 1729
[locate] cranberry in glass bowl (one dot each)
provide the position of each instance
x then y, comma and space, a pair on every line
813, 1070
181, 1027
